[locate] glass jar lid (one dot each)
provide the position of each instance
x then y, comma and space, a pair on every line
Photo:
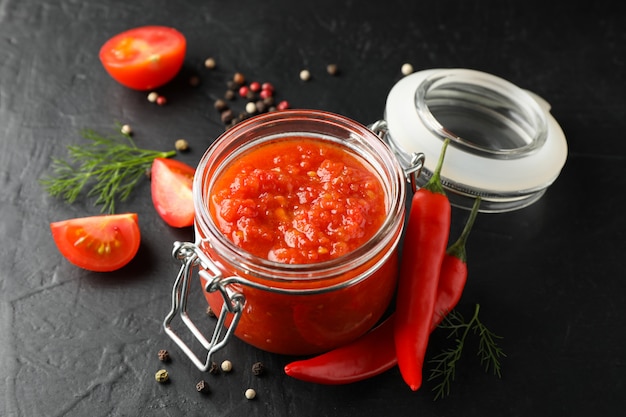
504, 144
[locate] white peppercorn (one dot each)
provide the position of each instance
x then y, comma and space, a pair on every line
305, 75
406, 69
126, 130
227, 366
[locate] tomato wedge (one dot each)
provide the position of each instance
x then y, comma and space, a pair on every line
98, 243
145, 57
171, 185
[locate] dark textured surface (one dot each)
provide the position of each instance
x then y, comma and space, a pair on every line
549, 278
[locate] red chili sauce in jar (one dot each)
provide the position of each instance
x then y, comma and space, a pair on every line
298, 201
304, 201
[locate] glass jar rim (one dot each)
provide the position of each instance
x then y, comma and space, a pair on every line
467, 90
271, 126
505, 181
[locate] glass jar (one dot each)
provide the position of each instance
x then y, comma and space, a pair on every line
291, 308
505, 146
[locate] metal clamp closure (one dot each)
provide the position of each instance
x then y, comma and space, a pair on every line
415, 161
191, 256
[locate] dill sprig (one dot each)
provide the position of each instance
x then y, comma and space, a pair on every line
106, 167
445, 362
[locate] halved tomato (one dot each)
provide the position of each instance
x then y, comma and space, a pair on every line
98, 243
171, 185
145, 57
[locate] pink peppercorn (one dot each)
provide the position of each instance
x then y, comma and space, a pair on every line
267, 86
283, 105
244, 90
161, 100
255, 86
266, 94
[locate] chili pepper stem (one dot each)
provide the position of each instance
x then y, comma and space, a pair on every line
457, 249
434, 183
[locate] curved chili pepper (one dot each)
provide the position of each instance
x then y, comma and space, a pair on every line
370, 355
375, 352
453, 272
424, 248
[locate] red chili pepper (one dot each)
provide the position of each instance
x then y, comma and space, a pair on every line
453, 272
424, 248
370, 355
375, 352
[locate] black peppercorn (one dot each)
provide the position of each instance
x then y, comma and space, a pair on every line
220, 105
227, 116
214, 369
258, 369
202, 387
261, 107
230, 95
232, 86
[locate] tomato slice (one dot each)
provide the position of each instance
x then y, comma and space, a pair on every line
171, 185
145, 57
98, 243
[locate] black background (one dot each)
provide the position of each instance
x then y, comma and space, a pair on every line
549, 278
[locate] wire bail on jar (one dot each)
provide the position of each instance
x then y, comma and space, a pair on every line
413, 166
191, 256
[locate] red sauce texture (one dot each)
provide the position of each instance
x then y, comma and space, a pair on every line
298, 201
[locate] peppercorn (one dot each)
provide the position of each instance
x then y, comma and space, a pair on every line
255, 86
305, 75
267, 86
283, 105
214, 369
126, 130
332, 69
227, 366
406, 69
239, 78
231, 85
261, 107
161, 100
268, 101
265, 94
243, 90
229, 95
164, 355
250, 394
194, 81
210, 63
251, 107
250, 95
152, 97
258, 369
227, 116
181, 145
161, 376
202, 386
220, 105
